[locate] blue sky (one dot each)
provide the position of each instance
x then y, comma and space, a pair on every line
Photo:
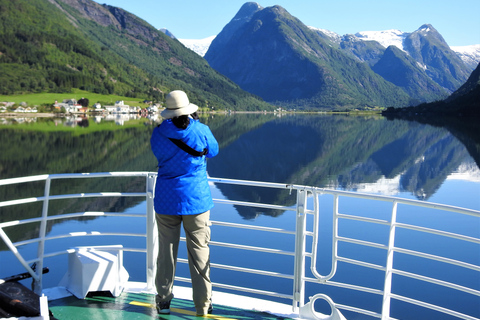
457, 20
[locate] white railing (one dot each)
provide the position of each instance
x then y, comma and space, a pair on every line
306, 233
45, 218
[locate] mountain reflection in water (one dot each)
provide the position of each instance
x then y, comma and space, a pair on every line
364, 153
344, 152
369, 154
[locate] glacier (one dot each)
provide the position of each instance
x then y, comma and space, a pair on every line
199, 46
386, 38
469, 54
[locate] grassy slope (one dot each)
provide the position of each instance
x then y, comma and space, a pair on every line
34, 99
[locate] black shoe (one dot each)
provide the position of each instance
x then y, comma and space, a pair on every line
163, 307
210, 309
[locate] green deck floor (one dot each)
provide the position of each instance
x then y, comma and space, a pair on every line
140, 306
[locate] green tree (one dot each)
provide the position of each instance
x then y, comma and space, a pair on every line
84, 102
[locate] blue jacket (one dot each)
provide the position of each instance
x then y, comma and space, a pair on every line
182, 187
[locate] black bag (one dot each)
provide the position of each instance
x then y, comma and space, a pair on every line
182, 145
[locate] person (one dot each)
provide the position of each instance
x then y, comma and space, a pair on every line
182, 194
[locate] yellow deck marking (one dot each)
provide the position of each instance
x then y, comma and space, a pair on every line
176, 310
142, 304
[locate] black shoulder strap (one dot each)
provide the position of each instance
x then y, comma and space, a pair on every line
182, 145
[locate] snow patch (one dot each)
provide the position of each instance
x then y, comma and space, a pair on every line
467, 171
385, 38
382, 186
421, 65
335, 37
469, 54
474, 49
200, 46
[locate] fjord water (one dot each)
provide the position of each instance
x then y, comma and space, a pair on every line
358, 153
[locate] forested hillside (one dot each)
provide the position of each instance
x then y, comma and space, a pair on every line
274, 55
57, 45
465, 102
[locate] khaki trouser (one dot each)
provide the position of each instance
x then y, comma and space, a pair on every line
197, 233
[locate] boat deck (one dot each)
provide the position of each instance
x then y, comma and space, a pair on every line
378, 256
141, 306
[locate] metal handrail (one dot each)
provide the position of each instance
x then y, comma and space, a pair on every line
302, 236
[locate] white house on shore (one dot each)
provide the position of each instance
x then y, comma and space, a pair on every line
98, 107
154, 108
121, 107
70, 105
25, 110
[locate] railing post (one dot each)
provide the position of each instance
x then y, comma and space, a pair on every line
299, 267
152, 245
387, 290
334, 237
316, 222
37, 284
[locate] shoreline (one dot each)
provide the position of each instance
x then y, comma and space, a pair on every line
29, 115
51, 114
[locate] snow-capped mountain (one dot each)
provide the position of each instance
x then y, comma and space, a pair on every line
469, 54
425, 74
200, 46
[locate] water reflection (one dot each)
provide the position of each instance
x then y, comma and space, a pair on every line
419, 161
82, 119
369, 154
351, 153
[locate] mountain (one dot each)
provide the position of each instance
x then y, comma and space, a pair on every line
402, 70
470, 55
423, 66
441, 63
463, 102
265, 53
242, 17
472, 84
426, 46
374, 42
467, 97
364, 51
57, 45
168, 33
275, 56
393, 64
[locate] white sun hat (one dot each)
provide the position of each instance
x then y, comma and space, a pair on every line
177, 104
